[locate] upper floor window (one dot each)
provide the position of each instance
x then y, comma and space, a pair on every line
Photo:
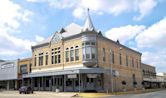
132, 62
46, 58
111, 57
103, 55
56, 55
71, 54
23, 69
67, 54
127, 60
76, 53
35, 61
89, 50
120, 58
40, 59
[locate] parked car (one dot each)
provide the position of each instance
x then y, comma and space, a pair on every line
25, 90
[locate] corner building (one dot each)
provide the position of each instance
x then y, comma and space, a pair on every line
81, 59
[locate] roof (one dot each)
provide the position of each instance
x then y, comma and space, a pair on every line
88, 23
70, 30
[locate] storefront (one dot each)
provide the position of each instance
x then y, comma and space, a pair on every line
87, 79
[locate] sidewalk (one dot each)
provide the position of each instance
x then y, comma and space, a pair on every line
98, 95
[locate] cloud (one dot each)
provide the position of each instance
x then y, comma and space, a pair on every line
124, 33
114, 7
150, 40
11, 16
157, 59
154, 36
39, 38
144, 8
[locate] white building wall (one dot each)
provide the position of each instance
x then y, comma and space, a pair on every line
8, 70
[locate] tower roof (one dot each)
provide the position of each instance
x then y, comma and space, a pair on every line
88, 26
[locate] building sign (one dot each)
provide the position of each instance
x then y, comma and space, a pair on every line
7, 65
71, 76
92, 75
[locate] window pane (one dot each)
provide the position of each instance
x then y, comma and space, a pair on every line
93, 53
72, 55
77, 54
88, 50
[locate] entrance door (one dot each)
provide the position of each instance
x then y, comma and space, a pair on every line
91, 81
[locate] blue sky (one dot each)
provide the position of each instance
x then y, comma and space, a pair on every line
138, 24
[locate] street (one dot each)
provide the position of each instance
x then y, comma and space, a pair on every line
158, 94
37, 94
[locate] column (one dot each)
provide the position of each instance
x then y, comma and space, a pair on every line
79, 80
53, 83
64, 83
8, 85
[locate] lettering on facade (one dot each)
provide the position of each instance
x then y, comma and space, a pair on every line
7, 65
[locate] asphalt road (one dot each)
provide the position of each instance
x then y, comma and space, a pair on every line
158, 94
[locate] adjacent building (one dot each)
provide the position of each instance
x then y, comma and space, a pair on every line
8, 74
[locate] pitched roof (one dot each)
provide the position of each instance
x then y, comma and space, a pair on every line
88, 23
70, 30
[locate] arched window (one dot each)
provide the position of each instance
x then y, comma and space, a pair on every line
111, 57
67, 54
71, 54
76, 53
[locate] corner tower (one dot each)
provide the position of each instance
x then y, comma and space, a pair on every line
89, 44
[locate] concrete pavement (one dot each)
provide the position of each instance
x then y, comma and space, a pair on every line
157, 94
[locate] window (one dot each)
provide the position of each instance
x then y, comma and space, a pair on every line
46, 59
40, 59
103, 55
76, 53
93, 53
132, 61
120, 58
111, 57
126, 60
30, 67
35, 61
137, 63
89, 50
71, 54
67, 54
56, 56
23, 69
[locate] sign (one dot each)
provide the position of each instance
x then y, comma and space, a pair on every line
92, 75
7, 65
71, 76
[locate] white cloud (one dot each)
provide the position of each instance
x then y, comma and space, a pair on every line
145, 7
158, 59
115, 7
11, 16
39, 38
154, 36
124, 33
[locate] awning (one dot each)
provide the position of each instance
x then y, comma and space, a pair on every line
65, 72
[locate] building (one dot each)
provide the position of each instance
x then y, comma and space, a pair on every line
24, 67
81, 59
8, 74
149, 76
161, 79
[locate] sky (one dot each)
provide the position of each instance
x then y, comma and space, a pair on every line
138, 24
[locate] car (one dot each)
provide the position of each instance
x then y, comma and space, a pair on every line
25, 90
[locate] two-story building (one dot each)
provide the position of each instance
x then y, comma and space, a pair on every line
81, 59
149, 76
